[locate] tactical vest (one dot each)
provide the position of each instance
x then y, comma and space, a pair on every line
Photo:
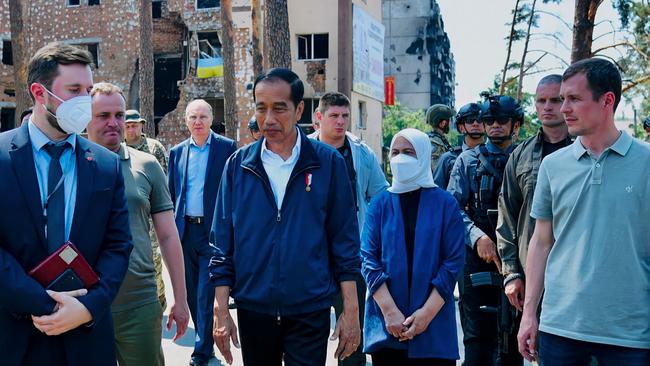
487, 185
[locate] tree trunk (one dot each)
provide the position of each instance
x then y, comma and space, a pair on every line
256, 24
523, 55
19, 52
146, 68
583, 28
276, 38
502, 87
229, 82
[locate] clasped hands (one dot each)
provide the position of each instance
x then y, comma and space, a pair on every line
406, 328
69, 313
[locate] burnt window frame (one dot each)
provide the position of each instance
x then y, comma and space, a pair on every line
7, 55
196, 5
307, 51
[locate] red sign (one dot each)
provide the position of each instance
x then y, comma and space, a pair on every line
389, 90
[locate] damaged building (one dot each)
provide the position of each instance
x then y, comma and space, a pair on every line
184, 32
417, 53
187, 55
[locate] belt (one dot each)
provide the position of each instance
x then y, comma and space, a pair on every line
195, 219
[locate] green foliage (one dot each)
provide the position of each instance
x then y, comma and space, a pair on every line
398, 117
635, 62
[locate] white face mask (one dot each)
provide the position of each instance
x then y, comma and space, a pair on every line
404, 167
73, 115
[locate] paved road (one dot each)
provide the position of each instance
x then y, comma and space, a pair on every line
178, 354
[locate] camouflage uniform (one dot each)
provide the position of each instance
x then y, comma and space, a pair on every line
439, 146
155, 148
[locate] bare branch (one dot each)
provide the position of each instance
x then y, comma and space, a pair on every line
613, 60
566, 24
552, 54
636, 82
553, 36
619, 44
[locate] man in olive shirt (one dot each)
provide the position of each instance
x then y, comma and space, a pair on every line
515, 226
136, 139
137, 313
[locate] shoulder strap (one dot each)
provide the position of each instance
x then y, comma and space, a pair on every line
482, 152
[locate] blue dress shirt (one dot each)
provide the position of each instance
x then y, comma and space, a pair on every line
68, 166
197, 165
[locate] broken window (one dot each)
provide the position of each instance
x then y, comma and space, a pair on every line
156, 9
93, 48
313, 46
308, 112
72, 3
7, 119
362, 115
7, 57
210, 60
93, 2
207, 4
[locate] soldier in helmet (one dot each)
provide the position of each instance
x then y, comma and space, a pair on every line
439, 118
254, 129
468, 125
475, 182
646, 127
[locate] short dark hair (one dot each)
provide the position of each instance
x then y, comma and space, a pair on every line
602, 77
44, 65
286, 75
550, 79
333, 99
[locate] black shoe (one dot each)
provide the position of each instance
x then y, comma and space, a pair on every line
198, 361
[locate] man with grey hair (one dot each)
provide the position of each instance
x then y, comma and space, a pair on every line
195, 167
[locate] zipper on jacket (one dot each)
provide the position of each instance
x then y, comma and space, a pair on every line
279, 216
279, 317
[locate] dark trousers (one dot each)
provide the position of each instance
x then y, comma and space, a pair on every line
560, 351
45, 350
200, 294
399, 357
482, 337
358, 358
300, 339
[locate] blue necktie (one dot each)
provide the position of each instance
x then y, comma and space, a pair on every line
55, 203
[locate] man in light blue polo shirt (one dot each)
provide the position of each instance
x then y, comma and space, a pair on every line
590, 252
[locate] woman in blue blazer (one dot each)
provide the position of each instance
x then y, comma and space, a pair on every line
412, 249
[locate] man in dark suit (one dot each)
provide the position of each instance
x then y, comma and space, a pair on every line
57, 187
194, 173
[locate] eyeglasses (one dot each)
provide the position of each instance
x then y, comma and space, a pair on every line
469, 121
490, 121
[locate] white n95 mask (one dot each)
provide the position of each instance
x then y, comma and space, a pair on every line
73, 115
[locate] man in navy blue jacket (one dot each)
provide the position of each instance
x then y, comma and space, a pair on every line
286, 237
195, 168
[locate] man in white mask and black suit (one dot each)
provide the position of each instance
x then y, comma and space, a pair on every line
59, 187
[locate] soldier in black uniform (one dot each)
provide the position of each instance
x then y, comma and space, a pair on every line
468, 125
475, 182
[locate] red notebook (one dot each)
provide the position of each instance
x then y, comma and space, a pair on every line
65, 270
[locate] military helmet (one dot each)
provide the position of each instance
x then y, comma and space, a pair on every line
469, 111
252, 125
500, 107
437, 113
646, 122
